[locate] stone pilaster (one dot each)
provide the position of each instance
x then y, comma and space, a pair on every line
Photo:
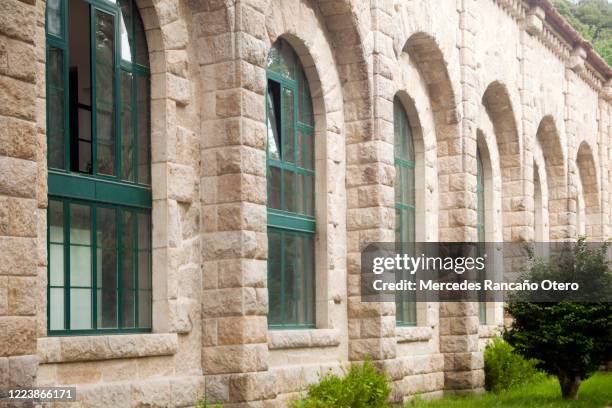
233, 184
463, 363
370, 215
23, 195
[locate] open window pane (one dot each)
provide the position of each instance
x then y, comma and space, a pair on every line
273, 118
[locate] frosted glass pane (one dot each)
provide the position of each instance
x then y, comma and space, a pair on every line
56, 265
54, 17
80, 224
56, 309
80, 308
80, 266
56, 221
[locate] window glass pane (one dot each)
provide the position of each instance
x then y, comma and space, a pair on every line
105, 85
80, 224
107, 249
127, 308
299, 144
309, 152
309, 195
398, 184
144, 270
80, 266
107, 309
289, 282
274, 187
142, 127
129, 237
142, 51
127, 269
127, 131
309, 280
56, 221
281, 59
144, 231
56, 265
274, 277
300, 204
56, 309
144, 308
80, 309
80, 241
288, 126
289, 190
304, 100
55, 106
54, 17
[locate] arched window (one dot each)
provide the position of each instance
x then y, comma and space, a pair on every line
99, 217
480, 224
291, 212
404, 205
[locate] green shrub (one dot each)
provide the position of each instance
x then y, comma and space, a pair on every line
570, 340
362, 387
204, 404
504, 368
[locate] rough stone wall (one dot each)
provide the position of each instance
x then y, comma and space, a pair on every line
22, 192
531, 102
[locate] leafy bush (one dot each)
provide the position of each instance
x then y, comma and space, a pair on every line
362, 387
570, 340
504, 368
204, 404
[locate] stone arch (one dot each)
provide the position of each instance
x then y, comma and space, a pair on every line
548, 145
588, 192
303, 28
431, 64
498, 105
424, 53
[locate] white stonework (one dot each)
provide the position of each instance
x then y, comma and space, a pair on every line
502, 76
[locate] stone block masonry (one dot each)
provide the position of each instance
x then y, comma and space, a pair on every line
506, 85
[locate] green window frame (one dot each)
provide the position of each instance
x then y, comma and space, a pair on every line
405, 206
480, 225
290, 192
98, 161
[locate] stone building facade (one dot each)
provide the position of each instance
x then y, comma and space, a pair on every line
507, 78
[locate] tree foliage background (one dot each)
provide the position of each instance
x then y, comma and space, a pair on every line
592, 19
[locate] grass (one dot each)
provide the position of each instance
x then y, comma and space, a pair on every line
596, 392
